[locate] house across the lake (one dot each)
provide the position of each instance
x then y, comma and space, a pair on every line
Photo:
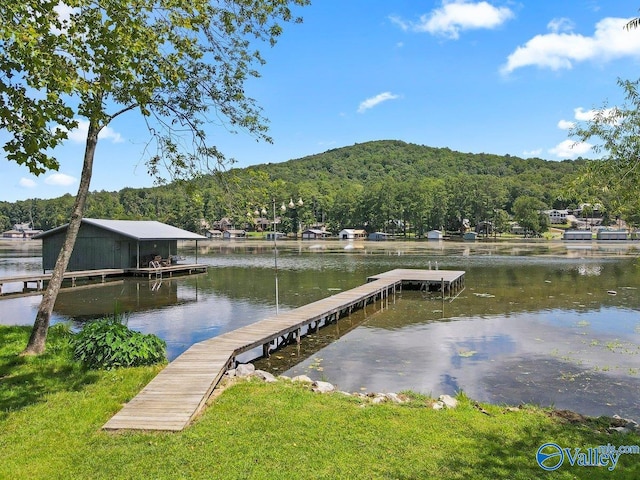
378, 236
21, 230
577, 235
234, 234
117, 244
315, 234
352, 234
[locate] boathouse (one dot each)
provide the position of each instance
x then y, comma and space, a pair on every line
120, 244
315, 234
352, 234
380, 236
577, 235
612, 235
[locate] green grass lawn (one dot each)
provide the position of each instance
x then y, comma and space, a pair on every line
52, 410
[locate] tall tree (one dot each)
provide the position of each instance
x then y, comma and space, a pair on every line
615, 132
175, 62
528, 213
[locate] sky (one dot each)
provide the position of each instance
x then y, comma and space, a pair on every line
492, 76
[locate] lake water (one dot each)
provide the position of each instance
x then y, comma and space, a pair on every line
539, 322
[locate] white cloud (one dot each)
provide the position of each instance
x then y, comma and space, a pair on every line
60, 179
457, 15
27, 183
378, 99
79, 134
566, 124
570, 149
560, 25
588, 115
557, 50
532, 153
583, 115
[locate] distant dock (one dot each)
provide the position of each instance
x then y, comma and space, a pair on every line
180, 392
35, 283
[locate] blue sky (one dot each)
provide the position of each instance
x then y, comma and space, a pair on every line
494, 76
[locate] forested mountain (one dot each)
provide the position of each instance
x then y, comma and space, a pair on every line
380, 185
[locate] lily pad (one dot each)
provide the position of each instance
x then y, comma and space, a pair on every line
466, 353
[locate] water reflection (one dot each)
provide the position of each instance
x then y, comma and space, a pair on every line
536, 323
495, 359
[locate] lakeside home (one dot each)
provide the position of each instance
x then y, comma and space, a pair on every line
315, 234
352, 234
380, 236
234, 234
120, 244
22, 231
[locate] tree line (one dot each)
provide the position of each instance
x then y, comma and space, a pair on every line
380, 186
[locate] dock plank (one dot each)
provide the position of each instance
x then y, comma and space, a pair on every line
180, 391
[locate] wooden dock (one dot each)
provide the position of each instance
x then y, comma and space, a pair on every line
168, 270
37, 280
180, 391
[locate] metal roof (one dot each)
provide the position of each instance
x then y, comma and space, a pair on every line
136, 229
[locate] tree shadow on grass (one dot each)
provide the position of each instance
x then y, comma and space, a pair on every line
29, 380
489, 455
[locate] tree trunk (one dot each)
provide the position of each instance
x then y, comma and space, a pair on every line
38, 337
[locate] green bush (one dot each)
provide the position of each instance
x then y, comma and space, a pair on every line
108, 343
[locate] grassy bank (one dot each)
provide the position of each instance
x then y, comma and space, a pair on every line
51, 411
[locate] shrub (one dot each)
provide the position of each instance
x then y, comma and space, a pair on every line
109, 343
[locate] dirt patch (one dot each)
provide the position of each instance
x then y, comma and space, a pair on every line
567, 416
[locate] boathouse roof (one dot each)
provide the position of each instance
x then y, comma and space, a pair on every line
135, 229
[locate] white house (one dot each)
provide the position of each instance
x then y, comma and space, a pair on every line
557, 217
352, 234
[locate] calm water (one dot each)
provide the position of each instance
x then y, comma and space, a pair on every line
537, 323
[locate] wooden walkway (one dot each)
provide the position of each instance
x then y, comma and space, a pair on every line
180, 391
37, 280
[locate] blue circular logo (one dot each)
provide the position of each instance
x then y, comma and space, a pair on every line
550, 456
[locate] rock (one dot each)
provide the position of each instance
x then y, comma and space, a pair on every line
245, 370
379, 399
322, 387
393, 397
266, 376
301, 378
632, 425
346, 394
284, 377
448, 401
231, 372
438, 405
622, 430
